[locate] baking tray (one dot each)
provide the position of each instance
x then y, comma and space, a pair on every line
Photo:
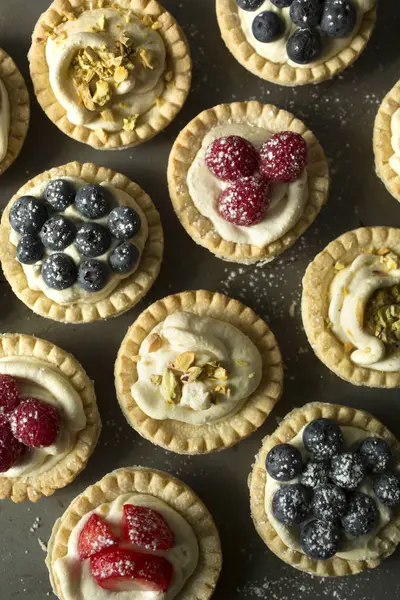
341, 113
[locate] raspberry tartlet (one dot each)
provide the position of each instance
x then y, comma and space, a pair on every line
387, 141
351, 306
111, 74
137, 533
325, 490
80, 243
295, 42
49, 422
246, 180
198, 372
14, 111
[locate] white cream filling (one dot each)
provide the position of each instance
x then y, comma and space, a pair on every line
360, 548
133, 96
211, 340
287, 200
350, 291
4, 120
76, 580
75, 292
37, 379
394, 160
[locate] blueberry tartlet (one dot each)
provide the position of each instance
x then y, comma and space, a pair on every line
135, 534
198, 372
111, 74
295, 42
80, 243
387, 141
325, 490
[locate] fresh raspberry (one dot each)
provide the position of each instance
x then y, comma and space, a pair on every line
95, 536
230, 158
146, 528
245, 202
9, 396
35, 423
283, 156
10, 448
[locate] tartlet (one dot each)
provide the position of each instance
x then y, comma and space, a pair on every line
379, 522
32, 367
291, 203
88, 246
129, 64
387, 141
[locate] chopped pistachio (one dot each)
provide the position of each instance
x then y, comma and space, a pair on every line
102, 94
129, 123
339, 266
383, 251
169, 76
146, 58
242, 363
184, 361
102, 23
107, 115
191, 374
156, 379
221, 373
121, 74
382, 315
154, 342
170, 387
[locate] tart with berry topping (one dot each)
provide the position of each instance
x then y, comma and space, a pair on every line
198, 372
14, 111
111, 74
49, 422
80, 243
387, 141
295, 42
325, 490
246, 180
135, 534
351, 306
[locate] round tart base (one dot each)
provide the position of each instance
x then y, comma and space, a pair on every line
185, 149
383, 149
315, 303
34, 486
129, 291
283, 73
386, 540
19, 108
201, 584
185, 438
149, 123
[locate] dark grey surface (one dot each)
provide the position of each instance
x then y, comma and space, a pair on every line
341, 113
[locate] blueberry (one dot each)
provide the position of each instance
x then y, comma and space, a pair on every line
281, 3
304, 46
123, 258
322, 438
284, 462
306, 13
30, 249
59, 194
315, 473
58, 233
329, 502
59, 271
376, 454
124, 222
93, 201
361, 515
249, 4
92, 239
27, 215
267, 27
339, 18
92, 275
387, 488
319, 539
290, 504
347, 470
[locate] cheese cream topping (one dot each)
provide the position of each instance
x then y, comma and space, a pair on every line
76, 580
4, 120
38, 379
360, 548
350, 292
106, 60
287, 200
394, 160
195, 369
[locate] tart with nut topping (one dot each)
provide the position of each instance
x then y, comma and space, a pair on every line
110, 74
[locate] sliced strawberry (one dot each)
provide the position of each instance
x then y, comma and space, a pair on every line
146, 528
122, 569
95, 536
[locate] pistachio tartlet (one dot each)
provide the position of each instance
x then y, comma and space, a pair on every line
292, 42
387, 141
49, 421
198, 372
246, 180
111, 74
325, 490
80, 243
136, 533
14, 111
